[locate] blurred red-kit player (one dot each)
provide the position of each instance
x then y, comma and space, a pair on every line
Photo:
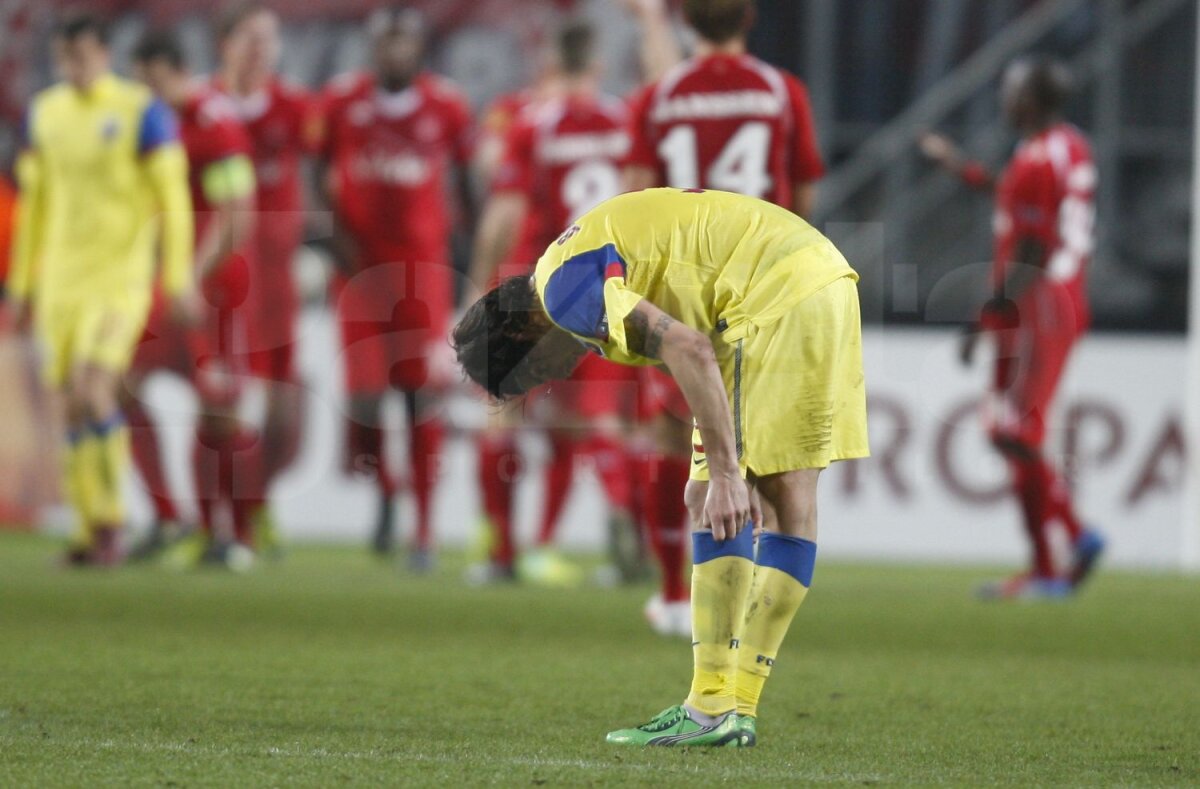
226, 457
1044, 235
280, 119
562, 156
725, 120
395, 139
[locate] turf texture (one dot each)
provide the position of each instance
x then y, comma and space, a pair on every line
332, 668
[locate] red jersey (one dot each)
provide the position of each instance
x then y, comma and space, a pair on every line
1047, 193
392, 155
210, 133
280, 121
728, 122
564, 155
502, 113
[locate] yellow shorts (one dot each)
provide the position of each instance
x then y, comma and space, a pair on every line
103, 332
796, 388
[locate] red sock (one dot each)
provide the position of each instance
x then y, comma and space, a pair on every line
559, 473
499, 466
1059, 503
148, 459
1032, 489
666, 522
426, 456
365, 455
206, 473
613, 464
281, 439
246, 480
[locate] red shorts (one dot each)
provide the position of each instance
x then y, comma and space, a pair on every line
207, 355
391, 316
1031, 354
271, 324
597, 388
659, 395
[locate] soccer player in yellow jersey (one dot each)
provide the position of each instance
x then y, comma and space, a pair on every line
100, 172
755, 314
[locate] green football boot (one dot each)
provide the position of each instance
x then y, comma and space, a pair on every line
673, 726
746, 727
267, 537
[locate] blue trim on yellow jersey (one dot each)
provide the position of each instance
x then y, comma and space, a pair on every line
574, 293
705, 547
159, 127
792, 555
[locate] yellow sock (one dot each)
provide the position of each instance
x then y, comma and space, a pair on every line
107, 461
76, 486
721, 576
781, 581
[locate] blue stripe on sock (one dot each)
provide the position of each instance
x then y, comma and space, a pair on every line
101, 429
705, 548
792, 555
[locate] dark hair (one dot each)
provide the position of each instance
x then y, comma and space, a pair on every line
719, 21
494, 338
1049, 84
576, 47
160, 45
76, 24
235, 14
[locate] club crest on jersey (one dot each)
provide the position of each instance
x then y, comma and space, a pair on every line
110, 127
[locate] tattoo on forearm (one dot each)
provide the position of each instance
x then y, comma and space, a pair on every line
644, 339
654, 341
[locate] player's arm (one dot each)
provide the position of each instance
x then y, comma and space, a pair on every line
228, 185
164, 165
26, 251
499, 226
690, 357
641, 166
807, 166
660, 50
942, 151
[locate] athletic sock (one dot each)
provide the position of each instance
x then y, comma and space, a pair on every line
499, 465
613, 467
782, 577
365, 455
1030, 484
108, 457
207, 446
721, 581
666, 522
147, 457
425, 449
246, 482
1058, 500
560, 471
76, 484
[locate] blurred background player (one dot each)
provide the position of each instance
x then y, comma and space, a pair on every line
725, 120
394, 138
1044, 226
227, 454
280, 120
101, 159
562, 157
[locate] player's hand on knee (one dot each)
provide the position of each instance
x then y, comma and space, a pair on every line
727, 506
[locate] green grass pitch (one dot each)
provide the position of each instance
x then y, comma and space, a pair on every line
332, 668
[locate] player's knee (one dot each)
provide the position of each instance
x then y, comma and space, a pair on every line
694, 494
792, 496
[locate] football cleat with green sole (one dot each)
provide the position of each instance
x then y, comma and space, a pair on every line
746, 727
674, 727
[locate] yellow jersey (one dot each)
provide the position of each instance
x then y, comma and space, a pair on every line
100, 170
722, 263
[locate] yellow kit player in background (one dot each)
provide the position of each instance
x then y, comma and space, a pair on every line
100, 173
755, 315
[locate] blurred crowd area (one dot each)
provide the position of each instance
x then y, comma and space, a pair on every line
880, 72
